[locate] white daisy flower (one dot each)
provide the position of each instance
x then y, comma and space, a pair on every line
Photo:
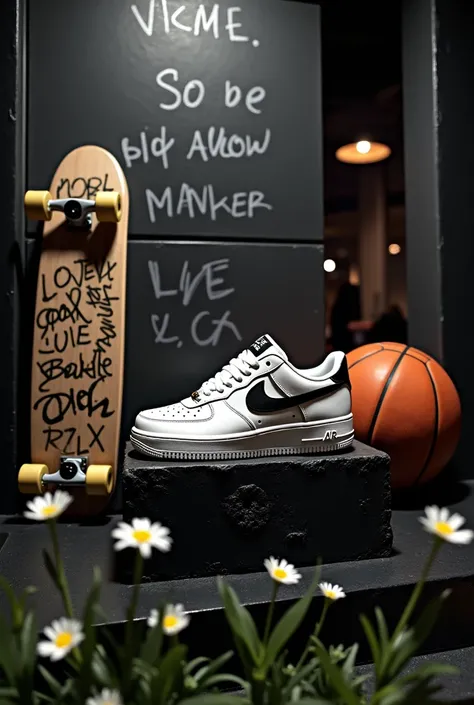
152, 620
142, 534
106, 697
282, 571
62, 636
49, 506
332, 592
175, 619
438, 521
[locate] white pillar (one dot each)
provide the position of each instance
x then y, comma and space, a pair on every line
372, 240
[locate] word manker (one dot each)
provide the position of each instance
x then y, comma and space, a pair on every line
203, 201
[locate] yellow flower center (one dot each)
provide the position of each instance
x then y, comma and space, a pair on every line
141, 535
170, 621
331, 594
280, 573
50, 510
63, 640
442, 527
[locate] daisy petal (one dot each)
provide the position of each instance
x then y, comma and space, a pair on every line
456, 521
145, 550
464, 536
443, 514
45, 648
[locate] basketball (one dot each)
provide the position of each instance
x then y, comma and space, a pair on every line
404, 403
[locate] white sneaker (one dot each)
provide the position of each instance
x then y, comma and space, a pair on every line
257, 405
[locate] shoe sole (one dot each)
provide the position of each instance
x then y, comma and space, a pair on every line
310, 438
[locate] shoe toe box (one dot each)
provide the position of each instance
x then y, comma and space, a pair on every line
166, 418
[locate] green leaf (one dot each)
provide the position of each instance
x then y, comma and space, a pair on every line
299, 676
336, 677
51, 568
203, 674
90, 640
314, 701
101, 672
151, 649
225, 678
28, 641
9, 656
418, 634
189, 668
240, 620
382, 627
373, 642
289, 623
89, 614
244, 656
218, 699
54, 685
171, 669
349, 661
15, 606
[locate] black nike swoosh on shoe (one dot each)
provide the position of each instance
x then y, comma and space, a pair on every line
258, 402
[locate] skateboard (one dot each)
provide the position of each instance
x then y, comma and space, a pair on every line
79, 330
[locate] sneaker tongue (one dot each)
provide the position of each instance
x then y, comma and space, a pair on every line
264, 345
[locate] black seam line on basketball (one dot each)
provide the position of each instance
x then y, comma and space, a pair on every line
435, 434
382, 395
263, 404
413, 357
376, 352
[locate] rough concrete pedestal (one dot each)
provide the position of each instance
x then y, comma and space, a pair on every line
227, 517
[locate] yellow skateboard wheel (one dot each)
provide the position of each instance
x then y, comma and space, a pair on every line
36, 205
108, 206
99, 480
30, 478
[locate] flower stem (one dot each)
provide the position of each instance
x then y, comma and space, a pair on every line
408, 611
61, 575
315, 634
132, 608
131, 612
271, 609
258, 690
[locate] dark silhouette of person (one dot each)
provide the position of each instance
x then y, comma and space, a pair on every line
346, 308
390, 327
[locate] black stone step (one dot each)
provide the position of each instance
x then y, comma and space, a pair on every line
227, 517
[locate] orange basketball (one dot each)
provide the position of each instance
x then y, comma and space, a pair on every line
405, 404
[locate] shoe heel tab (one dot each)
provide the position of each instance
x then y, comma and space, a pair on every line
342, 374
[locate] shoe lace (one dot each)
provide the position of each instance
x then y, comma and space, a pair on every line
238, 368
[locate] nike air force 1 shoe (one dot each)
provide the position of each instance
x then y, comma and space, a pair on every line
258, 405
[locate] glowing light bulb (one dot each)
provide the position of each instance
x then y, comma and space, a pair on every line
394, 249
329, 265
363, 147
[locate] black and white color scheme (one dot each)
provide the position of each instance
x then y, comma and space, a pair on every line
258, 405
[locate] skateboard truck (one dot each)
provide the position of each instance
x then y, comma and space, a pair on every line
77, 210
39, 205
74, 471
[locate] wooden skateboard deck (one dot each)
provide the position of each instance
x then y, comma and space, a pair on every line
79, 330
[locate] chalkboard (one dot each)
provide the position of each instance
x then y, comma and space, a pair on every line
196, 305
213, 110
